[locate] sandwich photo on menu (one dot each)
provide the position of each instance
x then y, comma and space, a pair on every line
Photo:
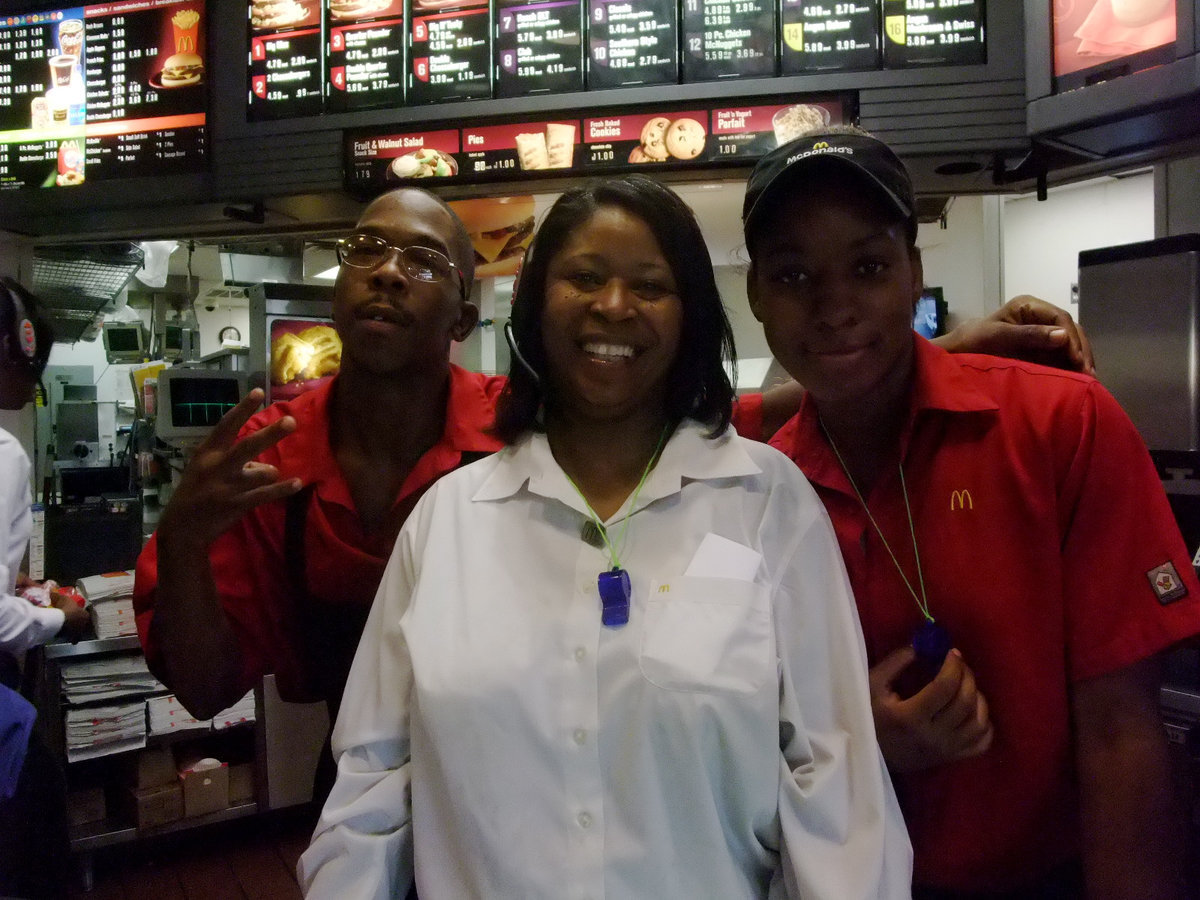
345, 10
185, 66
500, 230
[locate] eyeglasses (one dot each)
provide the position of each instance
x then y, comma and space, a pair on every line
365, 251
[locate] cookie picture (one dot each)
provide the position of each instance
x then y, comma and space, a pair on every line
684, 138
653, 135
638, 155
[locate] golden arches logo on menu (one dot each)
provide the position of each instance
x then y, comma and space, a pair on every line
186, 44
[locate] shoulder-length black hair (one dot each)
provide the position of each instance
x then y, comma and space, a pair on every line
698, 386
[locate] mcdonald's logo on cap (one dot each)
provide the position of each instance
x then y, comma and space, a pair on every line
961, 500
821, 145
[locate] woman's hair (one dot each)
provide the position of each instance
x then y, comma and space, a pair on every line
18, 305
697, 384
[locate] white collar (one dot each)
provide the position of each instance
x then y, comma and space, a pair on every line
689, 455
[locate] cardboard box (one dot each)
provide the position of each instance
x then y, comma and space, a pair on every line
155, 806
151, 768
86, 805
205, 790
241, 783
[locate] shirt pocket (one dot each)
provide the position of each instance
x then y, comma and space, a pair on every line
710, 635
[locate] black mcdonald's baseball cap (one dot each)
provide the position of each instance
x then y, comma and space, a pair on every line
864, 154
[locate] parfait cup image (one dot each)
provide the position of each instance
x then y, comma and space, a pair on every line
70, 38
791, 122
185, 26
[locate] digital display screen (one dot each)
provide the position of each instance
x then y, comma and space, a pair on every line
728, 39
632, 42
932, 32
200, 402
1092, 35
828, 36
539, 47
366, 54
124, 339
103, 91
286, 59
450, 51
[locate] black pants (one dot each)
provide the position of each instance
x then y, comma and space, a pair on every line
1065, 883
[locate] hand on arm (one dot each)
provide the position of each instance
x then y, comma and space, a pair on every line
1132, 826
945, 721
221, 483
1026, 328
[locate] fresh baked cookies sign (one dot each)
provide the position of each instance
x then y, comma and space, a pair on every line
671, 137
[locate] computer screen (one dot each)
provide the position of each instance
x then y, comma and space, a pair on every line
191, 401
124, 342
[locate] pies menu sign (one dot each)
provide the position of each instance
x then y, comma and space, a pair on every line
110, 90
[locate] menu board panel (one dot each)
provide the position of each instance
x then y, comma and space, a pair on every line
632, 42
728, 38
649, 139
365, 54
748, 132
285, 59
539, 47
103, 91
450, 51
826, 35
932, 32
380, 161
519, 147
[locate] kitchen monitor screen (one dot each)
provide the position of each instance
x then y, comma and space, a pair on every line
1098, 39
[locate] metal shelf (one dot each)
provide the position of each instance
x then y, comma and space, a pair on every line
63, 649
108, 832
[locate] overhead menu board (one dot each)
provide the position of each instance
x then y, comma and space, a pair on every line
285, 59
667, 138
632, 42
825, 35
539, 47
450, 51
728, 39
932, 32
365, 64
104, 91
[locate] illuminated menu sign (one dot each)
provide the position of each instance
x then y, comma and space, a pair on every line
826, 35
365, 61
632, 42
450, 51
750, 131
104, 91
728, 38
539, 47
285, 59
932, 32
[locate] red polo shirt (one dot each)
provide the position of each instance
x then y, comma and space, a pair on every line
1040, 520
342, 561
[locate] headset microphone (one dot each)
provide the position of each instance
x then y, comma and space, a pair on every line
516, 352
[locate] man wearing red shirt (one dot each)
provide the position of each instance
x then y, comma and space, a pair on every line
1000, 508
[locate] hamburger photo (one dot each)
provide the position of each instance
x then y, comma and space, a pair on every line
500, 230
182, 69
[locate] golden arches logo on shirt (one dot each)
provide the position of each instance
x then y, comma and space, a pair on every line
961, 500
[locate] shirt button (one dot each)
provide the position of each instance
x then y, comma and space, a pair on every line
580, 653
580, 736
584, 820
586, 587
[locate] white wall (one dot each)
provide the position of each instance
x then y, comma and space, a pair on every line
1042, 240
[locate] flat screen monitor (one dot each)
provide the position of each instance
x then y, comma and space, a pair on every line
125, 342
1097, 40
101, 91
191, 401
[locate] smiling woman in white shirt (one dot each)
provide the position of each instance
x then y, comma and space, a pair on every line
618, 659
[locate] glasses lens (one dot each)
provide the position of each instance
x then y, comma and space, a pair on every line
363, 250
426, 264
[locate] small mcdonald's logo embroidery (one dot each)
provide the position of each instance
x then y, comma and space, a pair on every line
961, 500
821, 145
1168, 586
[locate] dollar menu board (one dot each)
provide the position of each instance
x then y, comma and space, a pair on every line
825, 35
539, 47
105, 91
647, 140
285, 59
932, 32
366, 53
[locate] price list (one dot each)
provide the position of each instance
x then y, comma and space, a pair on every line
728, 38
451, 53
366, 64
104, 91
823, 35
539, 47
285, 74
932, 32
632, 42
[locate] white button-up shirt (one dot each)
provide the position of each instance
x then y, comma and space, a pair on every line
718, 745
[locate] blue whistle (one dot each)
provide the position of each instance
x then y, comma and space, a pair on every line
615, 592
